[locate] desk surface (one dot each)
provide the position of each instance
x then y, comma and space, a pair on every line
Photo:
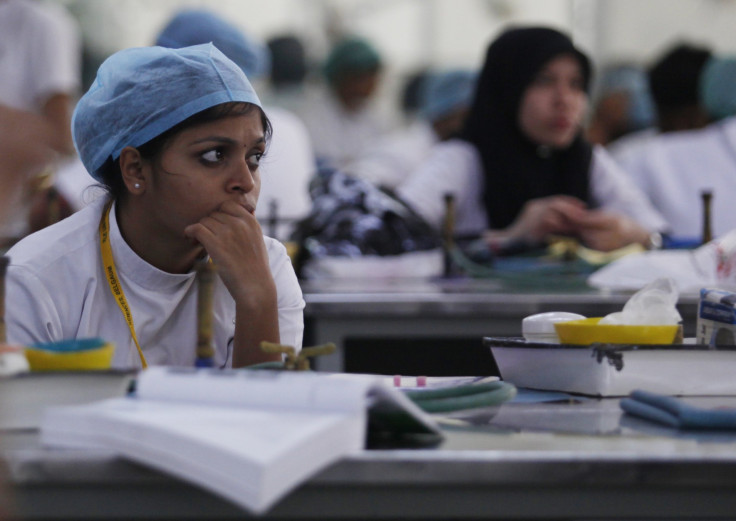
570, 460
386, 312
460, 296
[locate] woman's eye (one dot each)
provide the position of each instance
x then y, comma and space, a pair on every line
212, 156
543, 79
255, 160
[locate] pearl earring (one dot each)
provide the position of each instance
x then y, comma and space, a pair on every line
137, 185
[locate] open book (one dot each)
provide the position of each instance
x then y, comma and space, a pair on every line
249, 436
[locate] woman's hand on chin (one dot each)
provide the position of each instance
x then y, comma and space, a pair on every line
234, 240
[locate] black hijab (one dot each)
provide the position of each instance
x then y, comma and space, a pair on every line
516, 169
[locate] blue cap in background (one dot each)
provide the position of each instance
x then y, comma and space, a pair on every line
444, 92
197, 26
718, 86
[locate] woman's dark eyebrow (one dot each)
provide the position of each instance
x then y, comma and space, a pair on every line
224, 140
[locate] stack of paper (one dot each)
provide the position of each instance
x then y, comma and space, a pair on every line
249, 436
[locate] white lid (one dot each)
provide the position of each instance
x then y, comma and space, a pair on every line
544, 322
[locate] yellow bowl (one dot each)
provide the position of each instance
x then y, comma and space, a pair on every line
97, 358
588, 331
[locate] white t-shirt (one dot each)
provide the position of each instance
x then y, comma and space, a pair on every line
56, 289
339, 136
676, 166
392, 158
40, 53
454, 167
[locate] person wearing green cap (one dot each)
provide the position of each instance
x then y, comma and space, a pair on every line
342, 120
176, 137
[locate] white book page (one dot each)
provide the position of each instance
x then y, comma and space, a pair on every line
252, 457
257, 389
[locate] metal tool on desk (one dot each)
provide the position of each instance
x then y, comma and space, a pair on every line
292, 360
448, 230
206, 272
707, 197
4, 261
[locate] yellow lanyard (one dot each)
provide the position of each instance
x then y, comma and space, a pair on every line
112, 277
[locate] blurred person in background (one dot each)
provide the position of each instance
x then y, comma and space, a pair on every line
623, 104
522, 169
411, 94
343, 120
675, 167
288, 80
443, 101
673, 81
40, 56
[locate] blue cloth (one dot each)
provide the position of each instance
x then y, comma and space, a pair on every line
445, 92
717, 86
674, 412
140, 93
197, 26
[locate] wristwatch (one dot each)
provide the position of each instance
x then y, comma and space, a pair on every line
654, 242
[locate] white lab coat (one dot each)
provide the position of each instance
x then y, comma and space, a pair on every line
40, 56
339, 136
676, 166
286, 170
392, 158
58, 289
455, 167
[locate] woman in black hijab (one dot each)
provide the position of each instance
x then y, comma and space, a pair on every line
522, 159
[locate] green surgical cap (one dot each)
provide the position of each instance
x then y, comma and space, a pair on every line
142, 92
351, 56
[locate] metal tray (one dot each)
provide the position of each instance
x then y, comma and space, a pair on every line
616, 369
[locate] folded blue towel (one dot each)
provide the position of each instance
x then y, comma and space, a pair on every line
676, 413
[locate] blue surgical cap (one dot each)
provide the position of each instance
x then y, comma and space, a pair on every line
142, 92
631, 80
718, 86
197, 26
445, 92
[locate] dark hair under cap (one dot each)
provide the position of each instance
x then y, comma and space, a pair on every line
514, 171
674, 78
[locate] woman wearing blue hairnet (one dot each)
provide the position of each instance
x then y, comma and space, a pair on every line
521, 169
176, 136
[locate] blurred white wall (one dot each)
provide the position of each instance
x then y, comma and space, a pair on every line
441, 33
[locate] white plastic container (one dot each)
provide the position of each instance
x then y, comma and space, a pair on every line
541, 327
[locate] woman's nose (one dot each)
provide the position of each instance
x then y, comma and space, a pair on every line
566, 93
243, 178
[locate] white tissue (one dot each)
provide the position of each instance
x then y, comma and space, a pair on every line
653, 305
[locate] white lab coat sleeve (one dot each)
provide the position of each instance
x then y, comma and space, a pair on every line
614, 191
289, 295
453, 167
56, 63
31, 315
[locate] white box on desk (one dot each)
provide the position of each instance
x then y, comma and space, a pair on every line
616, 370
716, 317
